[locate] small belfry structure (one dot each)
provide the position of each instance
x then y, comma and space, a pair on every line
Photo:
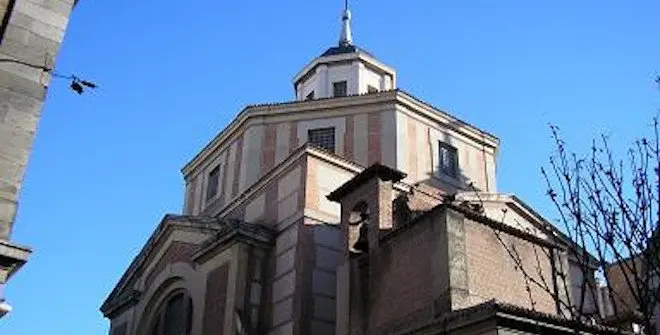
343, 70
357, 208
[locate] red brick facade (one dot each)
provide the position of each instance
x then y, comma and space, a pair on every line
402, 278
176, 252
269, 147
440, 260
216, 296
493, 274
375, 126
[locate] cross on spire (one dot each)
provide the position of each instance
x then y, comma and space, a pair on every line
346, 38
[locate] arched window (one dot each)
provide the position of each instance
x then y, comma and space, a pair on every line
173, 317
358, 219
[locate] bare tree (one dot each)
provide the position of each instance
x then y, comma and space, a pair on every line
609, 221
611, 208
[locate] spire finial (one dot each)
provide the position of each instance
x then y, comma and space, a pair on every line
346, 38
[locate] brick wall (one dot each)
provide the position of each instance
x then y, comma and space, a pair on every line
176, 252
216, 294
624, 294
401, 283
492, 272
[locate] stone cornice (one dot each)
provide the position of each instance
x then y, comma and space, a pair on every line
377, 170
12, 257
252, 234
169, 222
421, 107
259, 114
296, 157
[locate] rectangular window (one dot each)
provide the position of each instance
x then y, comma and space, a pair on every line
448, 160
212, 183
339, 89
371, 89
310, 96
322, 137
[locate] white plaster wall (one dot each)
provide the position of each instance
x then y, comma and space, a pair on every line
288, 189
255, 209
197, 194
424, 169
501, 212
338, 73
282, 139
189, 196
231, 165
308, 86
576, 278
470, 161
475, 163
402, 150
369, 77
388, 82
491, 173
253, 140
356, 75
321, 82
329, 179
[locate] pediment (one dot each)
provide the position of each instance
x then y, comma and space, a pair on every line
179, 238
175, 239
512, 211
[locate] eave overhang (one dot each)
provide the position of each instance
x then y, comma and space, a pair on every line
12, 258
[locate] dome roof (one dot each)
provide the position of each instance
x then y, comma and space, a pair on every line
345, 49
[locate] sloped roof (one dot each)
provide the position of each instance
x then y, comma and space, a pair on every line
517, 318
376, 170
345, 49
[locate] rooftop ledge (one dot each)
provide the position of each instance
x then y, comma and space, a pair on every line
12, 257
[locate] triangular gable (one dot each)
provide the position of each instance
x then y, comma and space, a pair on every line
514, 203
124, 290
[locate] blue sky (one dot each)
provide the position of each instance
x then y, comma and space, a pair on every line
105, 166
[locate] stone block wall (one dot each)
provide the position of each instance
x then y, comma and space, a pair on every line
33, 35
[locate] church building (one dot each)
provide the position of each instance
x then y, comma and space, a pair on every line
357, 208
